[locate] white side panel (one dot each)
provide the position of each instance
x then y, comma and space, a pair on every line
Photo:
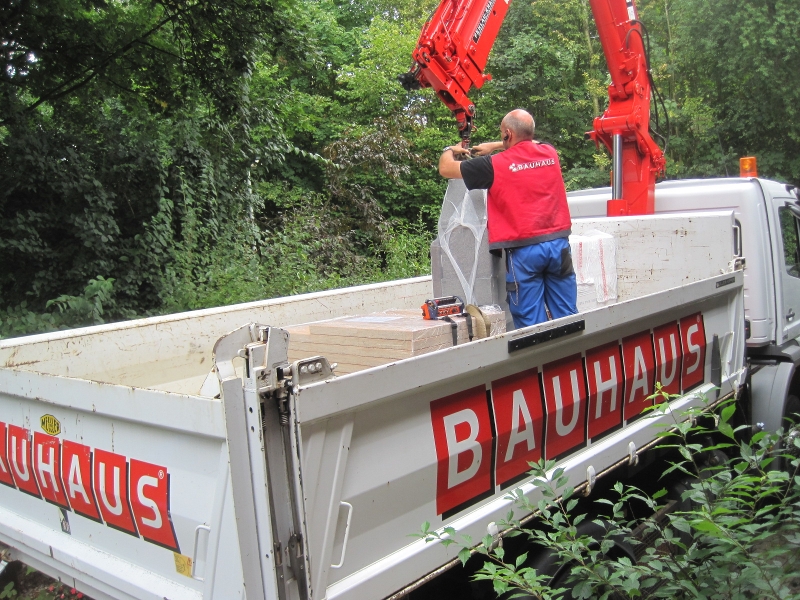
748, 199
659, 252
173, 353
182, 437
388, 474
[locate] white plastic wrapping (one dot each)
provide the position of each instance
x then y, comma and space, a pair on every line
462, 227
461, 264
595, 263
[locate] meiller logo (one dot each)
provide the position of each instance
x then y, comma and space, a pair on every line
126, 494
486, 436
482, 23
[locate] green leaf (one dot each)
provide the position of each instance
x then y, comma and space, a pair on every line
726, 430
707, 526
463, 555
727, 413
582, 590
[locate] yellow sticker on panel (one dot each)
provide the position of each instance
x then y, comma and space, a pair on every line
183, 564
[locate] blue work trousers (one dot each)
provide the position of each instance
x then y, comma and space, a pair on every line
538, 275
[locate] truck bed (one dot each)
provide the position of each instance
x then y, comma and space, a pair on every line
173, 353
160, 518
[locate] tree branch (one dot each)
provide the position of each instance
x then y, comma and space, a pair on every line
91, 72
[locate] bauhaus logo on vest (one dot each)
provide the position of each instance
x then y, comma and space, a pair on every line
486, 436
513, 167
126, 494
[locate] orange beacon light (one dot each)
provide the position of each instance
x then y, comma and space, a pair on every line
747, 167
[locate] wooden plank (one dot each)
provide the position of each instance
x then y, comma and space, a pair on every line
340, 351
300, 334
303, 337
353, 342
388, 327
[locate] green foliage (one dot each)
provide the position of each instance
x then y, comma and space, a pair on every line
8, 591
729, 71
735, 534
548, 61
65, 51
89, 306
66, 311
172, 147
308, 246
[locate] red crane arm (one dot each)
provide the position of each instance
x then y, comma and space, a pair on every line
624, 127
451, 56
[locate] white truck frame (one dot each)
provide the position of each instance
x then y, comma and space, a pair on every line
125, 482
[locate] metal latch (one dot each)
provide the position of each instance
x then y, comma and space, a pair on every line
310, 370
737, 264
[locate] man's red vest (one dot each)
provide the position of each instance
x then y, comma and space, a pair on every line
527, 202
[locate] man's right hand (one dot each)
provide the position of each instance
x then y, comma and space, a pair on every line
460, 153
486, 148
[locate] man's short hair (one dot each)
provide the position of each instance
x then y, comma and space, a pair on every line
521, 123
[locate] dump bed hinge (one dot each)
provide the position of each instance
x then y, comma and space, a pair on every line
264, 476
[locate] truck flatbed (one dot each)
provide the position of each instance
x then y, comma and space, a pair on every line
152, 490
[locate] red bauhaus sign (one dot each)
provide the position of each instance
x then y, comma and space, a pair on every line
565, 399
556, 408
606, 386
126, 494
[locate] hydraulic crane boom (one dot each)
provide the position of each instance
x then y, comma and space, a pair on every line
624, 128
451, 56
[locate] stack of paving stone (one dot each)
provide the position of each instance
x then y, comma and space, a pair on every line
360, 342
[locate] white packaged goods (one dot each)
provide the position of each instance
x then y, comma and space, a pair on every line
595, 262
461, 264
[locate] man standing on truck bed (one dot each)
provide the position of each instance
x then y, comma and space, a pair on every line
528, 217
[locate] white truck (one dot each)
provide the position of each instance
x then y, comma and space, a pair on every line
184, 457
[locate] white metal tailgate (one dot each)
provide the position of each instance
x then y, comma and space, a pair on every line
143, 480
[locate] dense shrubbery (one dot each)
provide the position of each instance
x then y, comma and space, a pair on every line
197, 153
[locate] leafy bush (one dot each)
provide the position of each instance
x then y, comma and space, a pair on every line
736, 533
67, 311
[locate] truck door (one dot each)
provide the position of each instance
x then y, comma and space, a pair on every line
786, 255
